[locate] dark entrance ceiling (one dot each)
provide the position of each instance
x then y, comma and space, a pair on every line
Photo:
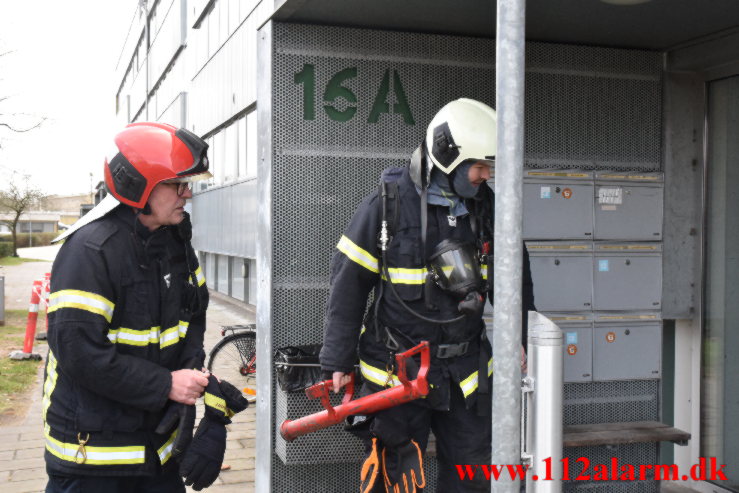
654, 25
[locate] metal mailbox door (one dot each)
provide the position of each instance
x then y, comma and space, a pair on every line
563, 278
627, 351
557, 206
628, 278
630, 209
578, 353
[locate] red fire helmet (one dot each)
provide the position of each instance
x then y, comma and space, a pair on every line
149, 153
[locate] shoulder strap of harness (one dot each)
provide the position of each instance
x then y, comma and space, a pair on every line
389, 198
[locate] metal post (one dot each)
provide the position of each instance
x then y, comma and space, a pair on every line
265, 452
545, 387
509, 80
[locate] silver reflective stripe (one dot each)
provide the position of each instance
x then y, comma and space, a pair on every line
375, 375
199, 276
399, 275
165, 451
358, 254
82, 300
135, 454
49, 383
134, 337
469, 384
173, 334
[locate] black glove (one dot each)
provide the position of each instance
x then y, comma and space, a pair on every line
183, 416
202, 462
402, 468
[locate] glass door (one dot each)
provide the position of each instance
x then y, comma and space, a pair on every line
720, 351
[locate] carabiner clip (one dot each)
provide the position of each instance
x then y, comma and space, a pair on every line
81, 449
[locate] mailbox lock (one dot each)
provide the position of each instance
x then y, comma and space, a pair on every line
628, 262
627, 332
556, 261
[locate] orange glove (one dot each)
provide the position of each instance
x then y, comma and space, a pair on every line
370, 469
402, 468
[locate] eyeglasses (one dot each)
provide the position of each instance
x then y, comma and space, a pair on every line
182, 187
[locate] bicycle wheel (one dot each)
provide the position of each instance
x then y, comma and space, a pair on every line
234, 359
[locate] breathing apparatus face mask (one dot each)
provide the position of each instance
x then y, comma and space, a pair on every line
455, 268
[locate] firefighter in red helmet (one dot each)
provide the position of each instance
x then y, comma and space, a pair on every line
126, 325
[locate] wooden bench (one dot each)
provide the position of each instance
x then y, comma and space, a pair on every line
621, 433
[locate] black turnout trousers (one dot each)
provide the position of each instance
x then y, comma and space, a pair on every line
462, 437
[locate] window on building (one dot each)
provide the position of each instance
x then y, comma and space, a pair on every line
241, 140
251, 144
223, 274
219, 157
252, 281
239, 278
211, 276
232, 152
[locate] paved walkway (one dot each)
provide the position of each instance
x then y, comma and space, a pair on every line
22, 466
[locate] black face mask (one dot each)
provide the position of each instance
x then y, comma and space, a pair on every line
461, 182
456, 269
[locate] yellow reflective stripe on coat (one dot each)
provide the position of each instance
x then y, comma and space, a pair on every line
133, 337
82, 300
199, 277
173, 334
165, 451
376, 375
400, 275
152, 335
49, 383
358, 254
96, 456
469, 384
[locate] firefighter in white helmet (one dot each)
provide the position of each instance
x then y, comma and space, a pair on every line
424, 245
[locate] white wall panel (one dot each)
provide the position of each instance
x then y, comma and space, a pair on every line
226, 84
167, 41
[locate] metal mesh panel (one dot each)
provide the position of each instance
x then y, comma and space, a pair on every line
313, 212
630, 454
593, 108
588, 108
611, 402
330, 445
334, 478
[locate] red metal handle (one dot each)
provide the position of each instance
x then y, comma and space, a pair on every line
322, 391
407, 391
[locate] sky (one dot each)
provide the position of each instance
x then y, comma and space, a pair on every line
60, 62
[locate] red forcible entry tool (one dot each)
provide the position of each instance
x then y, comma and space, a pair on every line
406, 391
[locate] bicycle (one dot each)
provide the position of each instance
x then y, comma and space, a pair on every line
234, 358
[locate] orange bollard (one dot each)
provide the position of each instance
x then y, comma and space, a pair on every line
32, 316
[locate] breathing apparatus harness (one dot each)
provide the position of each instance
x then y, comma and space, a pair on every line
454, 266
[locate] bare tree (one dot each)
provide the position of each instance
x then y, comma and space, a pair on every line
16, 199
